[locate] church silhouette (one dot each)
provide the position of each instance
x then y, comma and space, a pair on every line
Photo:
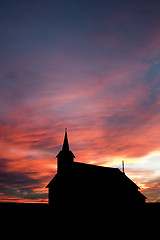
90, 188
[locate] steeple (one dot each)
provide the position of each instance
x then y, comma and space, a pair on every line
65, 157
65, 143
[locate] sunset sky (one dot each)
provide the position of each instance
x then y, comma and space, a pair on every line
92, 66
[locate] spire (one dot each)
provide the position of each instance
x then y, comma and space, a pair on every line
65, 143
65, 157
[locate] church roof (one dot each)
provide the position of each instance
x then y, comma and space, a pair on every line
85, 172
113, 174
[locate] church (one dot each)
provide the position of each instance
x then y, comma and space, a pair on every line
86, 187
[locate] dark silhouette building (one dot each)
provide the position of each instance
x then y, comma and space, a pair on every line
78, 186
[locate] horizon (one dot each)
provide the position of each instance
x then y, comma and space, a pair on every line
90, 66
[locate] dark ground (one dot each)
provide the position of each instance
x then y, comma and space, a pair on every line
39, 220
